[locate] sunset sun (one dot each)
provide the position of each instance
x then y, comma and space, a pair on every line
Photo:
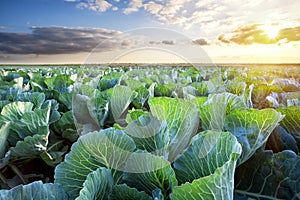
271, 31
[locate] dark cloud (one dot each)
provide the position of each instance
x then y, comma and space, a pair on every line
154, 42
168, 42
201, 41
57, 40
254, 33
164, 42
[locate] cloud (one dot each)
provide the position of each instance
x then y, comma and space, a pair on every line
223, 39
115, 8
94, 5
211, 17
170, 11
58, 40
152, 7
69, 40
154, 42
162, 42
256, 34
201, 41
134, 6
184, 13
290, 34
168, 42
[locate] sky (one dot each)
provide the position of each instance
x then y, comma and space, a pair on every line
155, 31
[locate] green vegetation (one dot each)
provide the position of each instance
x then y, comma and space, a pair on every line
142, 132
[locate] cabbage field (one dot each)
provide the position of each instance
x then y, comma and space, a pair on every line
149, 132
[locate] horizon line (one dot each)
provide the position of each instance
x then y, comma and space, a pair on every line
152, 63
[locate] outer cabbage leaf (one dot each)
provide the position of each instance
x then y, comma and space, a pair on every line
120, 99
132, 83
215, 83
87, 90
26, 122
15, 110
109, 80
66, 99
214, 110
149, 134
36, 98
124, 192
247, 96
290, 98
208, 165
81, 111
208, 151
280, 140
284, 99
54, 106
143, 95
9, 93
91, 108
28, 135
182, 118
291, 122
35, 190
66, 127
189, 92
235, 86
31, 147
200, 101
213, 116
60, 83
287, 85
36, 146
260, 92
148, 172
214, 186
202, 87
37, 83
18, 83
269, 176
108, 148
98, 185
185, 92
252, 128
4, 131
33, 122
99, 108
135, 114
231, 101
164, 90
3, 103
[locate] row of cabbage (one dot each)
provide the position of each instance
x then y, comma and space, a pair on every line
149, 133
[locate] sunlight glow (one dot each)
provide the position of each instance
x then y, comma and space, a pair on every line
271, 31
